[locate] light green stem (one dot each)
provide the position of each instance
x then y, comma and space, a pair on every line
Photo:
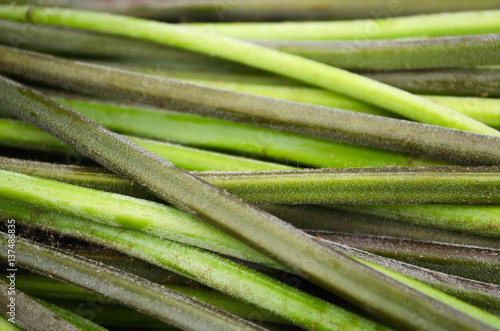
311, 72
481, 220
23, 135
434, 25
291, 149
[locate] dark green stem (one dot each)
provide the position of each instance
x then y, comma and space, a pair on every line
355, 128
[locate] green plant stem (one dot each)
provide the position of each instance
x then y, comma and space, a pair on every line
214, 134
467, 82
461, 51
77, 321
132, 291
331, 124
462, 261
27, 313
8, 326
450, 185
292, 66
442, 185
434, 25
481, 220
207, 268
23, 135
458, 82
327, 219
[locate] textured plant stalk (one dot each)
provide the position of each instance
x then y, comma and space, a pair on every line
326, 219
209, 269
474, 82
462, 261
93, 232
443, 185
76, 320
214, 134
333, 271
459, 82
29, 314
325, 123
292, 66
435, 25
26, 136
461, 51
481, 220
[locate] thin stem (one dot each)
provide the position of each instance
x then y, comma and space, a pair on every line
127, 289
443, 185
76, 320
481, 220
328, 219
285, 244
331, 124
461, 51
462, 261
434, 25
459, 82
288, 148
23, 135
209, 269
288, 65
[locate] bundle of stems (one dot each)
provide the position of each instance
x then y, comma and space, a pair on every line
132, 291
285, 64
120, 240
270, 9
283, 243
213, 240
327, 123
34, 312
416, 53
